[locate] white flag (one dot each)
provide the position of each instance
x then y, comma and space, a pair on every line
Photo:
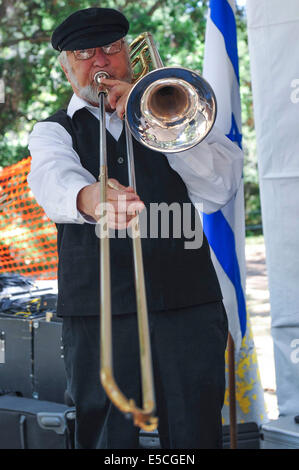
225, 229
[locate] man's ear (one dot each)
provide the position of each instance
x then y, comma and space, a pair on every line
65, 71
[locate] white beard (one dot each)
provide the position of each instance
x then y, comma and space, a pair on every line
89, 93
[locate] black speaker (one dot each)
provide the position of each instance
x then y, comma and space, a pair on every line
16, 356
48, 365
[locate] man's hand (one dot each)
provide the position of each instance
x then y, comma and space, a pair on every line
122, 203
118, 92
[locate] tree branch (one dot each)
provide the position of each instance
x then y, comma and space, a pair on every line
154, 7
34, 40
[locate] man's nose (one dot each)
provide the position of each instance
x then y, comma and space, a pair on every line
100, 58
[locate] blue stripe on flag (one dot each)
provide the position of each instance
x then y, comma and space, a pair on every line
234, 135
222, 241
223, 17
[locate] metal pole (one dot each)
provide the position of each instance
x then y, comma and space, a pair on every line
232, 393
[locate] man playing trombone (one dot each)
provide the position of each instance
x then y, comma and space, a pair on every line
187, 320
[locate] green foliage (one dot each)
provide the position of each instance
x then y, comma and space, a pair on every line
35, 86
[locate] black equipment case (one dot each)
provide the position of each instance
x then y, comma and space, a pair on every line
48, 366
16, 361
22, 307
248, 437
31, 358
26, 423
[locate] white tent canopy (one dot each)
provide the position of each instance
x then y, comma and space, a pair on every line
273, 29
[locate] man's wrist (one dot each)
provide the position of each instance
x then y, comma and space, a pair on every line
83, 201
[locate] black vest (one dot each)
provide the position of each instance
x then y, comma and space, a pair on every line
175, 276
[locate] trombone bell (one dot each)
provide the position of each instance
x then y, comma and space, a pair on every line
171, 109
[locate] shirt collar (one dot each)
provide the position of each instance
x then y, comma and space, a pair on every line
77, 103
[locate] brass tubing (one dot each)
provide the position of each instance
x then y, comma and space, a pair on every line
147, 380
142, 417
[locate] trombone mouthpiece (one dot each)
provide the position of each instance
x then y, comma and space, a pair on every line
97, 76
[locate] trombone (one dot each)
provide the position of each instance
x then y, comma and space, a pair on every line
169, 109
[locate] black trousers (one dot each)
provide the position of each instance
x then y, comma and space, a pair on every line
188, 347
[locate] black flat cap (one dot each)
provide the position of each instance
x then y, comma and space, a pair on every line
92, 27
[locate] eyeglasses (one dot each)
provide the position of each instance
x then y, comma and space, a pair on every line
109, 49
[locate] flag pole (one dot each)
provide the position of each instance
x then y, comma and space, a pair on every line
232, 392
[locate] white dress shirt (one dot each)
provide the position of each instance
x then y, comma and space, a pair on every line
211, 170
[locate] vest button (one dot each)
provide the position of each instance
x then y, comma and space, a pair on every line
120, 160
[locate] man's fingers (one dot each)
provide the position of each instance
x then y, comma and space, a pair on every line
120, 207
121, 196
127, 207
119, 216
135, 206
121, 107
119, 221
121, 200
113, 98
118, 93
114, 184
110, 82
117, 191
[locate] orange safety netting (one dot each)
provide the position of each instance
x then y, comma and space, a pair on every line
27, 236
